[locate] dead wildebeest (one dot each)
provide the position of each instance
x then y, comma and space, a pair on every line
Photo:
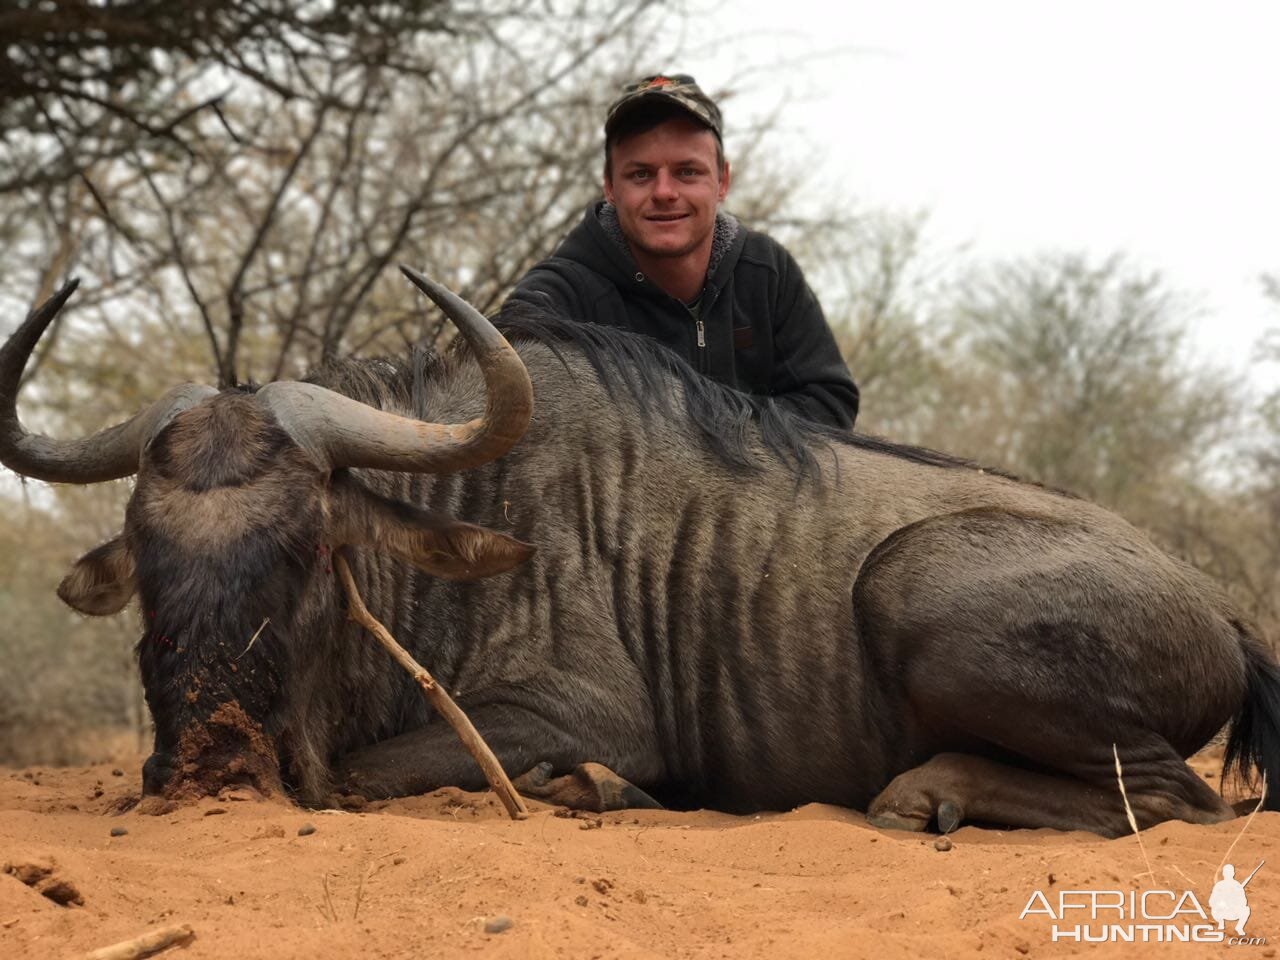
725, 605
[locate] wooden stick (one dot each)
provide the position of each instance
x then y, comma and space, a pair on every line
153, 941
436, 696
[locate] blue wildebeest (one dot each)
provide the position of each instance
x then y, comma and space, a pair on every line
725, 606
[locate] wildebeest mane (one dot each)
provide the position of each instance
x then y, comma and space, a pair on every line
644, 369
639, 368
388, 383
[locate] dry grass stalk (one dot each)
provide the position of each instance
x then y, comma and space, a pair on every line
436, 696
1128, 810
328, 899
149, 943
1261, 800
257, 633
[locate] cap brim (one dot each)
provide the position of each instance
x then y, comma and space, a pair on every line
650, 97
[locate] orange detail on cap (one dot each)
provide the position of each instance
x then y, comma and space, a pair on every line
659, 82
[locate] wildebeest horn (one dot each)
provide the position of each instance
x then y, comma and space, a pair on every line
108, 454
345, 433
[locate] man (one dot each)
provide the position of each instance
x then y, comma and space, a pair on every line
659, 257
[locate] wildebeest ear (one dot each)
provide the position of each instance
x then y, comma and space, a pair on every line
101, 582
434, 542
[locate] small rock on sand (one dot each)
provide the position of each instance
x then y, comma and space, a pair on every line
497, 924
306, 830
118, 831
62, 892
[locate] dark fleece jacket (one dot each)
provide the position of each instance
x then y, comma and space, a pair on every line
758, 326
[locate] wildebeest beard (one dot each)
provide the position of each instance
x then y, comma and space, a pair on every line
217, 620
210, 667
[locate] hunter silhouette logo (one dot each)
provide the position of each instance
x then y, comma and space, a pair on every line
1229, 901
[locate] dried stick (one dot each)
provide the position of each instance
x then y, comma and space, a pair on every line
153, 941
436, 696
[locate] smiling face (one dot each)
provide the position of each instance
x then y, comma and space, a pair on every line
666, 184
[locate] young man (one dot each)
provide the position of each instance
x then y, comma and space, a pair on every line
659, 257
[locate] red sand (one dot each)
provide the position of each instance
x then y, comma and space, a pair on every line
421, 877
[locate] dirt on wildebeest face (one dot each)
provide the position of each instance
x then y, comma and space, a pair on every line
227, 750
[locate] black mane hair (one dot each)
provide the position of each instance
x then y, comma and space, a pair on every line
383, 382
644, 371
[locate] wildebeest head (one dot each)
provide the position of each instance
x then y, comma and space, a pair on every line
240, 498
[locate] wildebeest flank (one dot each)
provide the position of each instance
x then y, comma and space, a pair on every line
722, 604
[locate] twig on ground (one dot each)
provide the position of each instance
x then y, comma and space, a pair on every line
372, 869
333, 914
151, 942
1128, 810
355, 913
436, 696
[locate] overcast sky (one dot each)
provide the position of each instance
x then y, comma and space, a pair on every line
1148, 127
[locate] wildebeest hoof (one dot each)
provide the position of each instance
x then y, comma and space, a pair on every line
949, 816
590, 786
351, 802
887, 816
532, 781
894, 821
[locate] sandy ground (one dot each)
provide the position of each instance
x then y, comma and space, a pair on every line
423, 877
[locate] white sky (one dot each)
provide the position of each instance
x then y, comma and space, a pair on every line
1148, 127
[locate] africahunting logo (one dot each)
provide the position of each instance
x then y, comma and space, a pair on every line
1149, 916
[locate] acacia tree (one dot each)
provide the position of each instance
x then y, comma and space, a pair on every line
82, 83
457, 140
1077, 374
880, 282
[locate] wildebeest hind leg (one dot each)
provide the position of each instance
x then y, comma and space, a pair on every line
1022, 648
589, 786
952, 788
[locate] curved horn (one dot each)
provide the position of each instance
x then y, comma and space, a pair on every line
107, 455
343, 432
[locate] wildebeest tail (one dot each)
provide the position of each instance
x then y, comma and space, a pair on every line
1254, 744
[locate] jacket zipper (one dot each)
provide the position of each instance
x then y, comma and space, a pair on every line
708, 301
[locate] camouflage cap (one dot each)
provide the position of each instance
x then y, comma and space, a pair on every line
677, 88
